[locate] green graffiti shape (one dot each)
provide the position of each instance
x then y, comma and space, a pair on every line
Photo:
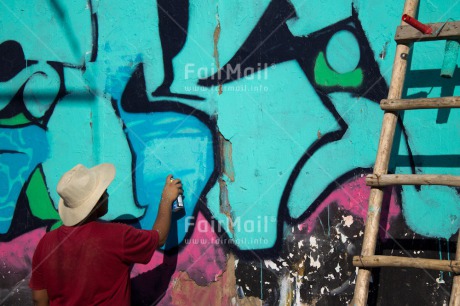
40, 202
19, 119
325, 76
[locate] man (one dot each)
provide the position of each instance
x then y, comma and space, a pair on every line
87, 261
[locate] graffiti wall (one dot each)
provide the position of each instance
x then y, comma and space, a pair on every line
269, 113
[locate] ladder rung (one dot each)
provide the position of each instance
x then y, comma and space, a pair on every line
407, 262
406, 34
375, 180
425, 103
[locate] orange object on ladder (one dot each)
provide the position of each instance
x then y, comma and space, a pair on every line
405, 36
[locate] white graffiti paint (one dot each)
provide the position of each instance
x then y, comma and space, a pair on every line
270, 264
300, 244
338, 268
314, 262
313, 243
348, 220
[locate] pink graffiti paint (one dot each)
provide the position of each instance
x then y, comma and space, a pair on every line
17, 254
202, 257
353, 196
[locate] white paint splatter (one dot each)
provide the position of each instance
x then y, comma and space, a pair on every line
439, 280
313, 242
300, 244
348, 220
285, 291
298, 284
315, 263
270, 264
338, 268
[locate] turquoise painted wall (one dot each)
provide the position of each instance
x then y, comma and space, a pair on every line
268, 112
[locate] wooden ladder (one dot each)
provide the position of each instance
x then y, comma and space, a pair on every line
405, 36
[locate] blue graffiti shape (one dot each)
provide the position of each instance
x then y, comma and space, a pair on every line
21, 151
29, 91
167, 137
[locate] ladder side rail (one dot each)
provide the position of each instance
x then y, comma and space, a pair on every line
381, 165
455, 292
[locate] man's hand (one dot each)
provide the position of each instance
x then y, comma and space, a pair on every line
171, 190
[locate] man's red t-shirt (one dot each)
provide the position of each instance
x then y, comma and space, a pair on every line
90, 264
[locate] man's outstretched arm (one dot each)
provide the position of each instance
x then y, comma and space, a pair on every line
171, 190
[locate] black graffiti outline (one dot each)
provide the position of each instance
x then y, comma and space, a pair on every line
283, 11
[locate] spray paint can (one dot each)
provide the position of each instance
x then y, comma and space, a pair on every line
178, 204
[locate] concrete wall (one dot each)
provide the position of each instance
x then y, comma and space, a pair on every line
268, 112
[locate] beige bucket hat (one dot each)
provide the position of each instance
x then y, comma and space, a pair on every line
80, 188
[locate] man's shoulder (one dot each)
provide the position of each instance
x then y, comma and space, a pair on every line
50, 239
